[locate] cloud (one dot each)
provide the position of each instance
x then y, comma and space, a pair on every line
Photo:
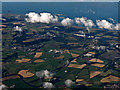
33, 17
43, 18
69, 82
104, 24
49, 18
86, 22
117, 27
67, 22
48, 85
43, 73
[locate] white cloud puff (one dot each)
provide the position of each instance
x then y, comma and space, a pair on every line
117, 27
69, 82
67, 22
43, 18
86, 22
43, 73
104, 24
48, 85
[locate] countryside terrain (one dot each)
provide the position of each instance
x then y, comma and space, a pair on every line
60, 56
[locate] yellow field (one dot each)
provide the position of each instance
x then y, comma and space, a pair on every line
45, 27
17, 23
110, 78
72, 43
98, 65
74, 60
39, 60
25, 73
77, 66
88, 84
91, 52
38, 54
60, 57
94, 73
10, 77
66, 51
96, 60
23, 60
108, 36
29, 40
2, 25
75, 55
79, 80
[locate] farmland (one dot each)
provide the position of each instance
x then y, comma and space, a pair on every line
88, 62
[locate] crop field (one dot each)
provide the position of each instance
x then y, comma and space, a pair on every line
25, 73
77, 66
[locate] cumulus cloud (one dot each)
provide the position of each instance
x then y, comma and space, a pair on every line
117, 26
86, 22
49, 18
43, 73
104, 24
43, 18
33, 17
67, 22
48, 85
17, 28
69, 82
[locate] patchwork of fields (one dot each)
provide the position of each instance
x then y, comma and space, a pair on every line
42, 54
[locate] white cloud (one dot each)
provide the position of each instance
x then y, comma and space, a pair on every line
117, 27
33, 17
67, 22
43, 73
43, 18
86, 22
69, 82
48, 18
104, 24
107, 25
48, 85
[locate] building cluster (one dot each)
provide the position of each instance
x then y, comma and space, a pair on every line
56, 51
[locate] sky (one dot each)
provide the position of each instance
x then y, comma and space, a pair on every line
60, 0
